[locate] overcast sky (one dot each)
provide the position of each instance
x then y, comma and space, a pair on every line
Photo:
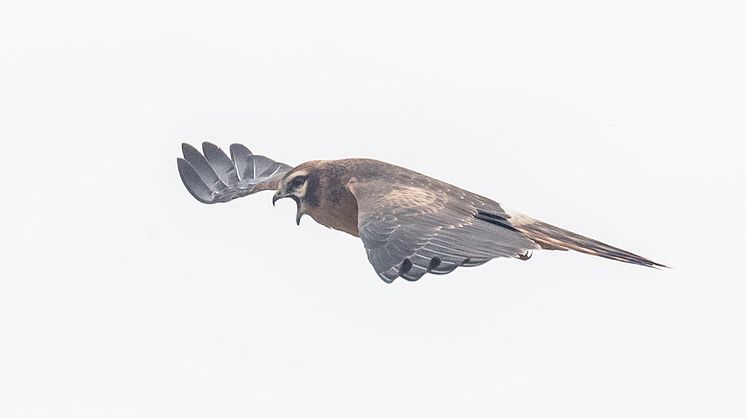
123, 297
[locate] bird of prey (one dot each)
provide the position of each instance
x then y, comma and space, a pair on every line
410, 224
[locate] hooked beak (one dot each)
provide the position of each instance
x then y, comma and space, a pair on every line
299, 214
278, 196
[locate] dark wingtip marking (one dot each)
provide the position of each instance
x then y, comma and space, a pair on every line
405, 267
434, 263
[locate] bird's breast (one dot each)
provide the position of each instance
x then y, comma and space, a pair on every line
337, 210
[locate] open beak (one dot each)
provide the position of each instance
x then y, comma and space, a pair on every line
299, 214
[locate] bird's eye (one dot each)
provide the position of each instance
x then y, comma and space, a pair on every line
298, 182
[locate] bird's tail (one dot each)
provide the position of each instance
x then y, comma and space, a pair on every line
554, 238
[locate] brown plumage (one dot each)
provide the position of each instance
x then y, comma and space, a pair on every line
410, 224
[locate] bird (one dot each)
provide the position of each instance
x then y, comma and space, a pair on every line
410, 224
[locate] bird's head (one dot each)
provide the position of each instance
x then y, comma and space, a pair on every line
301, 184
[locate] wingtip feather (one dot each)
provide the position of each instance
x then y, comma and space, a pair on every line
213, 177
193, 183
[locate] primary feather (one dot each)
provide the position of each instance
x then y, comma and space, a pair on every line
213, 177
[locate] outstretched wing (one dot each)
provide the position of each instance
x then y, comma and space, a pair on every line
213, 177
431, 227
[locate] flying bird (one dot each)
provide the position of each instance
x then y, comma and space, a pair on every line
410, 224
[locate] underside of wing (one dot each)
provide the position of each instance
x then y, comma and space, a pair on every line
409, 231
212, 176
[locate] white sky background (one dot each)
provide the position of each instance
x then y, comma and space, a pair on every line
123, 297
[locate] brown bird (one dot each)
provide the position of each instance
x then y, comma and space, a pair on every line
410, 224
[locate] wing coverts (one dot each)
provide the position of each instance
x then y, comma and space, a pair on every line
455, 228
